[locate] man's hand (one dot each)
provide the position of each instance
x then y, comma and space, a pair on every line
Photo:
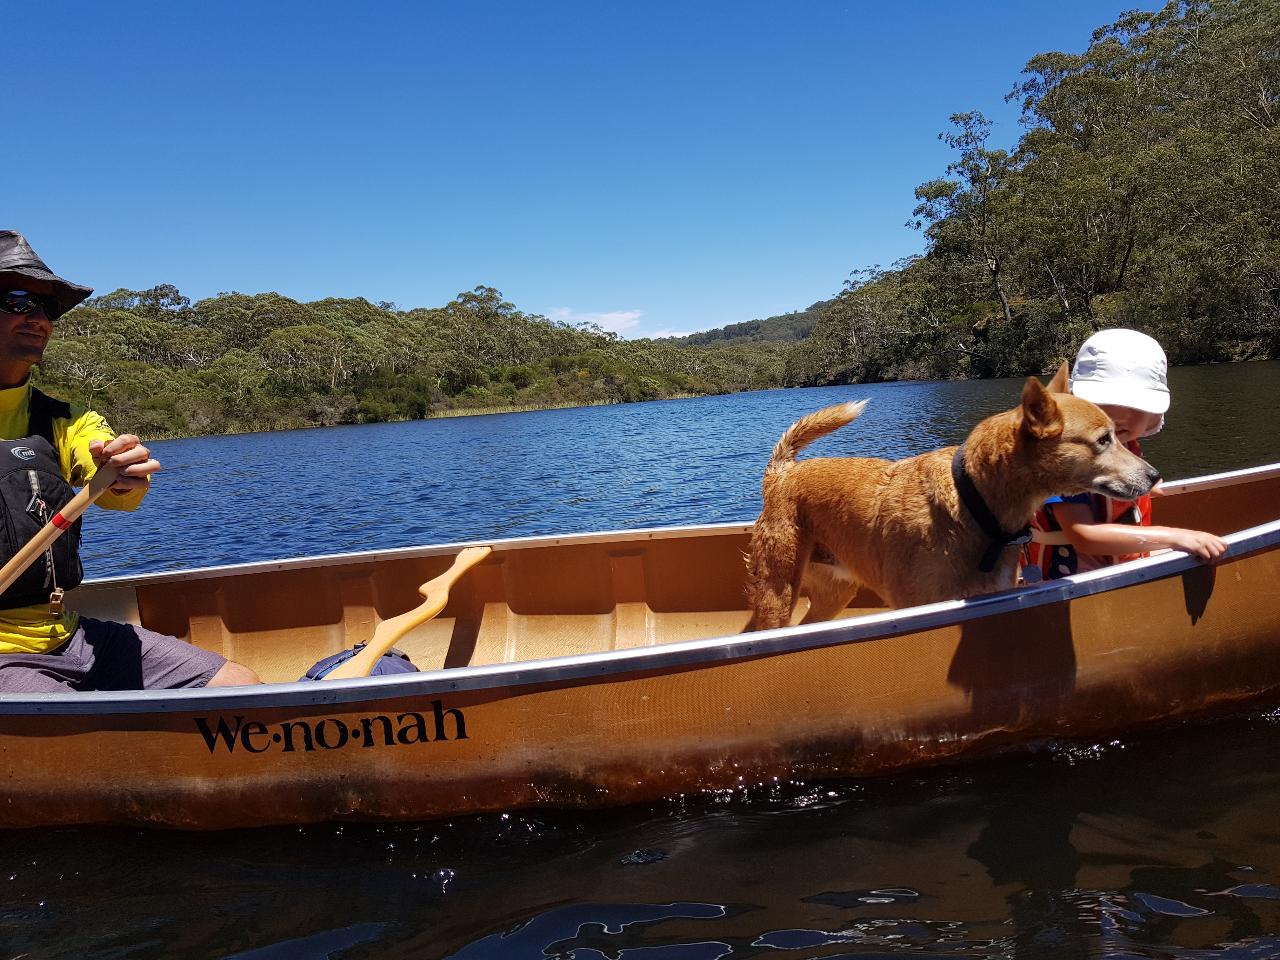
127, 454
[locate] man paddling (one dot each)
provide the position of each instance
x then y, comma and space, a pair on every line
44, 647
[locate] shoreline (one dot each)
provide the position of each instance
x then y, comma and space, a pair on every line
434, 415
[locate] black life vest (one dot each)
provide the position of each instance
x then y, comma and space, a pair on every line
32, 490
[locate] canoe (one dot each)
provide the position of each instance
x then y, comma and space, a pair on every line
609, 668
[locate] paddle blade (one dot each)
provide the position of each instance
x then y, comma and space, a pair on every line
385, 635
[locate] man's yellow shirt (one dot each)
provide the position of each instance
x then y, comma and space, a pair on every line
34, 629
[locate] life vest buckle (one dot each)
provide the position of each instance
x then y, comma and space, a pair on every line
55, 601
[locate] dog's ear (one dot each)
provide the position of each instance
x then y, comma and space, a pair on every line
1061, 382
1041, 418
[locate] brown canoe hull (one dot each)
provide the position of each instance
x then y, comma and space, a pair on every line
611, 723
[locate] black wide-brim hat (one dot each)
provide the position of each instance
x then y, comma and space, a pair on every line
21, 269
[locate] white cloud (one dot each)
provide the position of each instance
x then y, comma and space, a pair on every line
618, 321
658, 334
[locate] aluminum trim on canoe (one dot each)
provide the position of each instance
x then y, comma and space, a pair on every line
615, 664
1208, 482
1230, 478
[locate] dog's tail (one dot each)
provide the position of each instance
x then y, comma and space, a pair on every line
808, 429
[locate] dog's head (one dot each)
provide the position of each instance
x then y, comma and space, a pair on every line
1073, 444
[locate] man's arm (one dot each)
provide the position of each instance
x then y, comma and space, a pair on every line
90, 442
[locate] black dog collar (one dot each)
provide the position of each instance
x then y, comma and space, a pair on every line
973, 501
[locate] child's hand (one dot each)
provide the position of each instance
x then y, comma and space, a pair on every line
1204, 546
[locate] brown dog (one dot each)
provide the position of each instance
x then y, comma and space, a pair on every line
913, 530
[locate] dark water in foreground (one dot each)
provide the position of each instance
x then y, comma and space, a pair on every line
1164, 846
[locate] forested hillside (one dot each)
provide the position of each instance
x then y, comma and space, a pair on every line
1144, 192
164, 366
786, 328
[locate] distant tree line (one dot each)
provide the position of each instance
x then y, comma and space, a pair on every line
163, 366
1145, 192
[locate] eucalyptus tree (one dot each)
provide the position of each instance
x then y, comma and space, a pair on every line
970, 215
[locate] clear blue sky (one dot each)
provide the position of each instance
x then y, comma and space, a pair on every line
659, 167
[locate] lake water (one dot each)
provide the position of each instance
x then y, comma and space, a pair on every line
1165, 846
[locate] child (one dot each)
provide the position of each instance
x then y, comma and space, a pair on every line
1124, 373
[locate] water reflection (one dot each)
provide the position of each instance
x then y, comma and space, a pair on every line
595, 929
1165, 846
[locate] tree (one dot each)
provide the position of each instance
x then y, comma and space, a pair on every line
970, 219
157, 301
89, 367
307, 356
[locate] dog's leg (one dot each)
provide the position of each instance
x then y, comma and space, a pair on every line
828, 590
804, 556
775, 567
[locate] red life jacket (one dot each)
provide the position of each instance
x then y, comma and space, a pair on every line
1050, 555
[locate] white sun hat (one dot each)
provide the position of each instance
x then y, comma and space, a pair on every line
1124, 368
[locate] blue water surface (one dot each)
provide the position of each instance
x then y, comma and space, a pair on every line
263, 496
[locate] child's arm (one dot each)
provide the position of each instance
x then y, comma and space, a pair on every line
1105, 539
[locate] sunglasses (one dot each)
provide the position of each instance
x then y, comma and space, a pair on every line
21, 301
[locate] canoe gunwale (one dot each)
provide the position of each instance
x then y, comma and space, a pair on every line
617, 664
1229, 478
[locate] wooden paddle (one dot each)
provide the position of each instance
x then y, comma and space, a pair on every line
385, 635
62, 521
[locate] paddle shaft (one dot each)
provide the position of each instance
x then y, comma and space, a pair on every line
385, 635
61, 521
